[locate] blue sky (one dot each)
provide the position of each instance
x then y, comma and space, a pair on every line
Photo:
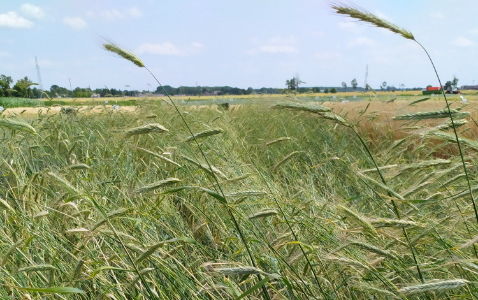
248, 43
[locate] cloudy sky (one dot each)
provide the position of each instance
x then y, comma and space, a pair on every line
247, 43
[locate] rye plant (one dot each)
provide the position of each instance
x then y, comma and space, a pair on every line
367, 17
220, 195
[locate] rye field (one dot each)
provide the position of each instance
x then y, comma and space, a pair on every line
288, 206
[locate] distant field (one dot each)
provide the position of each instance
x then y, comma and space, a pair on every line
241, 99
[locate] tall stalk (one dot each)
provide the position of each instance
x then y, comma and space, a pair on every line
134, 59
367, 17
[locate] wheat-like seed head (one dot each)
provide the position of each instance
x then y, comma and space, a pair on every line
156, 185
15, 125
367, 17
124, 54
263, 214
36, 268
5, 205
437, 114
204, 134
149, 128
379, 223
238, 271
434, 286
359, 219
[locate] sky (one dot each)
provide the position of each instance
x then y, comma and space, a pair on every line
247, 43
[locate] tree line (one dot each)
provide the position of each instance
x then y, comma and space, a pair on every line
26, 88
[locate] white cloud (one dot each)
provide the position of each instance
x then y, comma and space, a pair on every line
11, 19
362, 41
436, 15
276, 45
134, 12
474, 31
32, 11
75, 22
462, 42
168, 48
5, 54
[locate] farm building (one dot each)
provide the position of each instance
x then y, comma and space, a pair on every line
432, 90
469, 87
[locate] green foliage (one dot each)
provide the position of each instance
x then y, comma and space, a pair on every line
22, 87
11, 102
333, 90
178, 232
5, 82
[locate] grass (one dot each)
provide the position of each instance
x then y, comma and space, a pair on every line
10, 102
180, 235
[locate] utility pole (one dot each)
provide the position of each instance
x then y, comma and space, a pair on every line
38, 74
366, 78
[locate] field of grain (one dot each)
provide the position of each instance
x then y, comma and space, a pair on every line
122, 204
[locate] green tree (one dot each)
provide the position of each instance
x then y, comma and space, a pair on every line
291, 84
383, 86
326, 91
354, 84
344, 85
5, 82
333, 90
22, 87
448, 85
454, 83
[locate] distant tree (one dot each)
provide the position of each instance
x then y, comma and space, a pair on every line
293, 84
333, 90
448, 85
354, 84
344, 85
297, 82
384, 85
36, 93
5, 82
22, 87
61, 91
326, 91
454, 83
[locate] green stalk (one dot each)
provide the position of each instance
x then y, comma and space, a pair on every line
395, 208
236, 224
456, 134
